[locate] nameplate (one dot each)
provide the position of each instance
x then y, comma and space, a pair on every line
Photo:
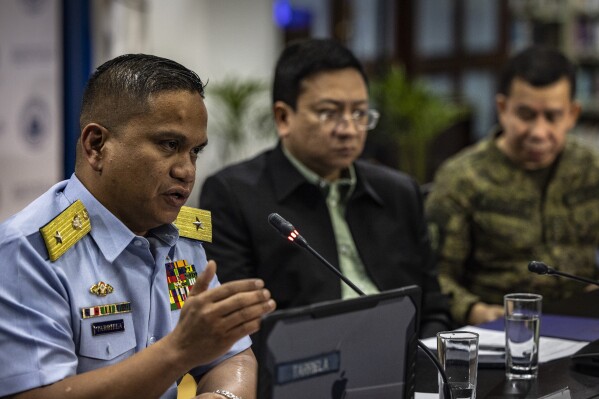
308, 368
108, 327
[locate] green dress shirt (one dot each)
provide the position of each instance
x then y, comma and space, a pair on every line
337, 193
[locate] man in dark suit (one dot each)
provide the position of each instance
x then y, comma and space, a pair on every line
367, 220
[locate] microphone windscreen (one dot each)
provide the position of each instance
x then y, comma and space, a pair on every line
280, 224
538, 267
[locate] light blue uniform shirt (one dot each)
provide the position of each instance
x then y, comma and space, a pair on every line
43, 337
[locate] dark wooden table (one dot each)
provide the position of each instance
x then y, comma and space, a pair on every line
553, 376
491, 383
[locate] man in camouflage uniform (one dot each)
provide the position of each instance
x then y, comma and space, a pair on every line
527, 192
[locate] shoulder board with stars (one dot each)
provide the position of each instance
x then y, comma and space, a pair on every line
195, 224
62, 232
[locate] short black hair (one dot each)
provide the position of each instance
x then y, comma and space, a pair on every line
302, 59
538, 66
121, 87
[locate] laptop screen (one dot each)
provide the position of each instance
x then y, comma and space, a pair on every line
352, 349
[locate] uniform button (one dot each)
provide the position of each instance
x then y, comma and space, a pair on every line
151, 340
108, 349
137, 243
345, 249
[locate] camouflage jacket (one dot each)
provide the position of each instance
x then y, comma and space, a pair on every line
488, 219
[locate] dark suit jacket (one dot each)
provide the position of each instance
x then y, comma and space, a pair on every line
384, 215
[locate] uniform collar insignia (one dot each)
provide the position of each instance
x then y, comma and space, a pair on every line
62, 232
195, 224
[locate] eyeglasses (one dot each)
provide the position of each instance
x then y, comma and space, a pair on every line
362, 119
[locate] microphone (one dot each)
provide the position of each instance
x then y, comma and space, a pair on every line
287, 230
542, 268
586, 359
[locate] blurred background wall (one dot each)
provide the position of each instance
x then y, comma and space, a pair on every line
433, 66
30, 101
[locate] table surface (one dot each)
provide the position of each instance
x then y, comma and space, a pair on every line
491, 383
553, 376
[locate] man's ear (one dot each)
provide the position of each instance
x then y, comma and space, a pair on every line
574, 113
500, 106
93, 140
282, 116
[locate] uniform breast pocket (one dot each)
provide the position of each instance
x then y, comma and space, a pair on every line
105, 341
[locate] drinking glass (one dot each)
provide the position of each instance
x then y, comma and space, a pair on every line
522, 323
458, 354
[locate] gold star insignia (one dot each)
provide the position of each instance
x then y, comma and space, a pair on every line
195, 224
58, 237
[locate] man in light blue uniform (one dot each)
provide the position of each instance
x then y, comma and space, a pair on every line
95, 272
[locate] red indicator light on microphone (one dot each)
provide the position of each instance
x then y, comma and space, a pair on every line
293, 235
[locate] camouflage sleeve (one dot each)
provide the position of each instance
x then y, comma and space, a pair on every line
448, 214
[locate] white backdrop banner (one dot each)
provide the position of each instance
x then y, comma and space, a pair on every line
31, 134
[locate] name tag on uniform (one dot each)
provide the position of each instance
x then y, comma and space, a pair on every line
107, 327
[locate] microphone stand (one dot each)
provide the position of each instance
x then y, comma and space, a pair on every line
541, 268
332, 268
554, 272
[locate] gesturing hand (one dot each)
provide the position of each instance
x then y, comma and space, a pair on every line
483, 312
212, 320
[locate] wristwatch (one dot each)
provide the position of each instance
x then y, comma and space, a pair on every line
226, 394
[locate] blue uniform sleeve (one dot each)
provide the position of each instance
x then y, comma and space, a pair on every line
36, 338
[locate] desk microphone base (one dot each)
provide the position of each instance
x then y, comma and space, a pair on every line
586, 360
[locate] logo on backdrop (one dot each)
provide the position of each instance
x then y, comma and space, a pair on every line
35, 119
33, 7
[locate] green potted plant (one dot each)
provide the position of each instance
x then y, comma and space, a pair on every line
240, 116
411, 117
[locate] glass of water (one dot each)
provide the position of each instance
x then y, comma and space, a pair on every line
522, 323
458, 354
